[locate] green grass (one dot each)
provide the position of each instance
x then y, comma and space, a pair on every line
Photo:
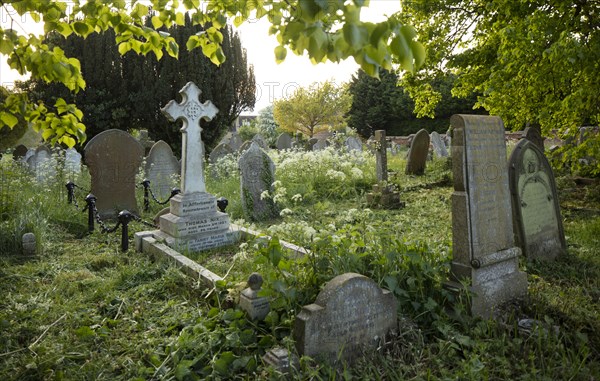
82, 309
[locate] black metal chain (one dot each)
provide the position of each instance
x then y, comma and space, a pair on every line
102, 224
173, 193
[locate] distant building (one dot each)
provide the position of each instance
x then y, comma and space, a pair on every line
243, 120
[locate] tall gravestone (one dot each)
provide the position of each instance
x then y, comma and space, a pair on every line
161, 168
417, 154
257, 174
439, 147
351, 314
284, 141
537, 222
194, 223
383, 195
113, 158
484, 251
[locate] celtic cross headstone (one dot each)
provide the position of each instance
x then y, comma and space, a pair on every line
191, 112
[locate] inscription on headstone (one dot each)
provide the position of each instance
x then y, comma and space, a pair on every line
351, 314
417, 154
483, 245
113, 158
536, 212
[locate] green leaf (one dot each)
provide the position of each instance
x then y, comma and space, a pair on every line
82, 28
8, 119
156, 22
419, 53
280, 53
355, 35
308, 10
6, 46
124, 47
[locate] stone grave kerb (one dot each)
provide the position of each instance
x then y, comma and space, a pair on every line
191, 112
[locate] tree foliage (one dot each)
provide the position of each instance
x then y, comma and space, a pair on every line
266, 125
381, 104
126, 92
317, 107
532, 62
325, 30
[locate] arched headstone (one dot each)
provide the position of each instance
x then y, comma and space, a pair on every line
417, 155
257, 174
162, 168
113, 158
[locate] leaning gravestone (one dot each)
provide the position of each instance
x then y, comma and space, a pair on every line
284, 141
257, 174
484, 251
350, 314
310, 143
536, 213
194, 223
417, 155
353, 143
72, 161
439, 148
113, 158
161, 168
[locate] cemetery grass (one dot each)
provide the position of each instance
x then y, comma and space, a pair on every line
82, 309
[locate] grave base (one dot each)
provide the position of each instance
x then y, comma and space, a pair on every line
384, 197
491, 286
201, 241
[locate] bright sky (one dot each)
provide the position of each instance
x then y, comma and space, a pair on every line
273, 81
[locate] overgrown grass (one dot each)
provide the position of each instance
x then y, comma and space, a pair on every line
82, 309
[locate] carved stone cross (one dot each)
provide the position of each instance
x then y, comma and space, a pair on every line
191, 111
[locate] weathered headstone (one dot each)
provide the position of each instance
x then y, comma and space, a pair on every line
353, 143
351, 314
72, 161
30, 152
439, 148
113, 158
194, 223
260, 141
310, 143
321, 144
233, 140
29, 244
41, 164
417, 155
284, 141
484, 251
534, 135
536, 213
219, 152
257, 307
19, 152
162, 168
257, 174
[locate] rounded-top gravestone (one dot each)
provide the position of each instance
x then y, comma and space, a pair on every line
113, 158
284, 141
162, 168
536, 213
417, 155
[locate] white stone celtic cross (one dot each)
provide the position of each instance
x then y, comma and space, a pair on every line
191, 111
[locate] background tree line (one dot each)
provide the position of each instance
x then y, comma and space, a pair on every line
127, 91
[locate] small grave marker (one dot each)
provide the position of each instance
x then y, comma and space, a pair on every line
257, 307
351, 314
439, 148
